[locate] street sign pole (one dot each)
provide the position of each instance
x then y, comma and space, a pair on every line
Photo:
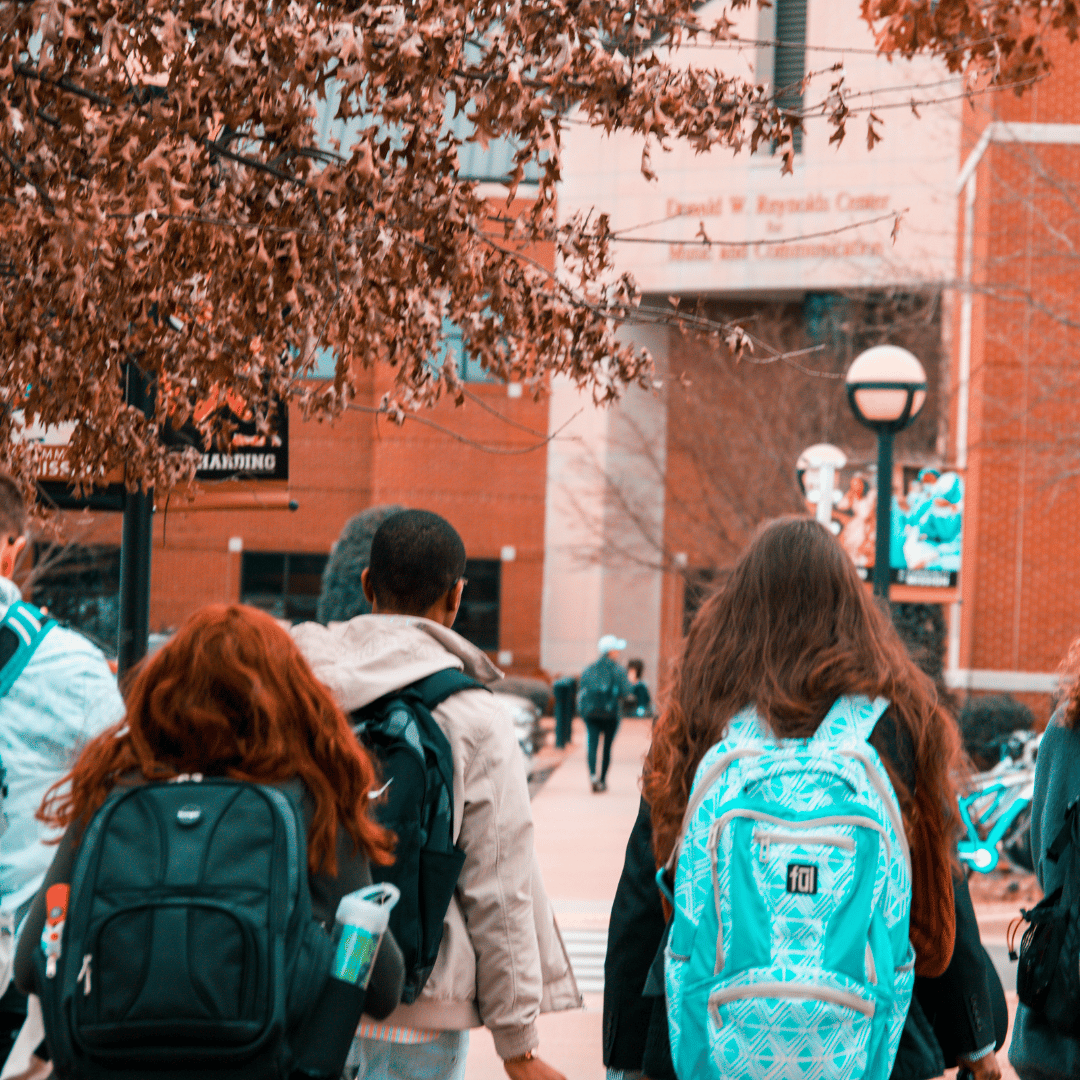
135, 548
825, 493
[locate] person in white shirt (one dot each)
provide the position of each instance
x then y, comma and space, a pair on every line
64, 696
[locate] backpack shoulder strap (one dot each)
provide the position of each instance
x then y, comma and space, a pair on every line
435, 689
1064, 836
29, 625
851, 719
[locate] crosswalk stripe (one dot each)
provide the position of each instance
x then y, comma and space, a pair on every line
587, 949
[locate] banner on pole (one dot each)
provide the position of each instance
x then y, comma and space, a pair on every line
927, 524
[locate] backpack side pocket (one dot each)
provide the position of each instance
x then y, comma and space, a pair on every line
1039, 951
439, 872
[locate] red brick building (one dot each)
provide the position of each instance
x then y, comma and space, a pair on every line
1017, 386
482, 468
605, 528
481, 465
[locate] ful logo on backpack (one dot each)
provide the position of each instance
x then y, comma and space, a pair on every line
788, 955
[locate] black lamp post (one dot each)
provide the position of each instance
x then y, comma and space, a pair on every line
135, 546
886, 388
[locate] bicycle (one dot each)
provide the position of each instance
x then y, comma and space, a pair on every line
996, 810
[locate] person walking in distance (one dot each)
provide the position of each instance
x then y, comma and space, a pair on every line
601, 690
60, 693
500, 958
640, 700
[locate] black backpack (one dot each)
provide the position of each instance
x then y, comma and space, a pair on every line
416, 766
189, 946
598, 692
1048, 973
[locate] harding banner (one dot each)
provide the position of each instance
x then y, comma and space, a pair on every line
245, 452
249, 454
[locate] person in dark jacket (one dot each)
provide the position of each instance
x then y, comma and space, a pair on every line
1038, 1051
231, 695
639, 700
790, 631
602, 688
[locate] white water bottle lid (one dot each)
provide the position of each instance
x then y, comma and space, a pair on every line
368, 907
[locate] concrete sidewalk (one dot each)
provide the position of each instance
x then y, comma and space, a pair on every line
581, 840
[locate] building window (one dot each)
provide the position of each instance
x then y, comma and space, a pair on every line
284, 583
490, 163
468, 367
80, 586
478, 619
789, 65
784, 65
325, 364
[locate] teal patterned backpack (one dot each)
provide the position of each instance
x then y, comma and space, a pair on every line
788, 957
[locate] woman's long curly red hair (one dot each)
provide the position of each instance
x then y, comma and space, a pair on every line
791, 630
231, 695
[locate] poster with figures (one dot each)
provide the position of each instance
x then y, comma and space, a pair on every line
927, 522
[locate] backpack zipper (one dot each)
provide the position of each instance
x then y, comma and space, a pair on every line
84, 974
716, 770
824, 839
713, 845
857, 820
791, 990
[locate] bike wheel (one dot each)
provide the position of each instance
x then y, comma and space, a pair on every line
1017, 842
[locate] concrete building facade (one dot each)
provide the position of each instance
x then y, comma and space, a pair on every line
732, 238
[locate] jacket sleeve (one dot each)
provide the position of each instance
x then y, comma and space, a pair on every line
495, 885
965, 1004
634, 935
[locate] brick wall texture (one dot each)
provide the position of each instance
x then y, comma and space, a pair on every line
1022, 516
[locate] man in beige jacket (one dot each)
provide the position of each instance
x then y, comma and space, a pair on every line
501, 961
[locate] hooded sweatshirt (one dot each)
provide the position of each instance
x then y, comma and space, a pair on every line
502, 961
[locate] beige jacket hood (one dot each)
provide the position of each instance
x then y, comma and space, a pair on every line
367, 657
502, 960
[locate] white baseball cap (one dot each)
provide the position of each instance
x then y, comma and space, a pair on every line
610, 643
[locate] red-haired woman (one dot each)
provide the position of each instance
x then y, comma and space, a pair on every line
790, 631
231, 696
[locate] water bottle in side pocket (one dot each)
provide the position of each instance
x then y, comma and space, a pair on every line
361, 921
